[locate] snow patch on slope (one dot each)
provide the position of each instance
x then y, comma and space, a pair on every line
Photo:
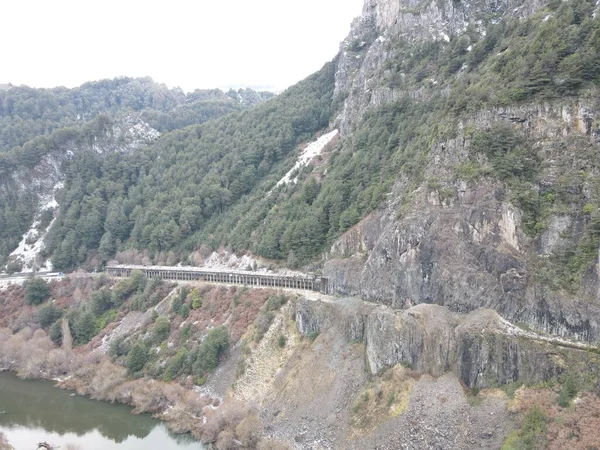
127, 134
313, 149
225, 260
32, 243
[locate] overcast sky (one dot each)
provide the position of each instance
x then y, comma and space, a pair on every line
187, 43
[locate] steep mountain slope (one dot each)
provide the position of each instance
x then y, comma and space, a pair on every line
42, 130
443, 168
190, 187
500, 210
468, 140
27, 112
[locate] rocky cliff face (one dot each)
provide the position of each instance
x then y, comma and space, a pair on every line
481, 348
363, 76
458, 242
469, 250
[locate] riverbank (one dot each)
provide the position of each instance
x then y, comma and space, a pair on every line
32, 356
29, 415
238, 367
95, 371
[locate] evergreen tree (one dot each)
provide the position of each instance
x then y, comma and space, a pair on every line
36, 291
136, 359
48, 314
84, 328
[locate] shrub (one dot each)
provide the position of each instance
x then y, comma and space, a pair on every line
276, 302
195, 299
13, 267
531, 434
176, 365
101, 301
176, 304
84, 328
408, 365
48, 314
248, 431
160, 330
589, 209
184, 311
56, 332
511, 388
185, 331
313, 335
213, 346
117, 348
103, 320
137, 357
125, 288
281, 341
568, 391
36, 291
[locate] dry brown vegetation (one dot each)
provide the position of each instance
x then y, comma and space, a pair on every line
16, 314
27, 350
234, 426
31, 354
235, 305
576, 427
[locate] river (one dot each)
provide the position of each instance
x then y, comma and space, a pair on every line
36, 411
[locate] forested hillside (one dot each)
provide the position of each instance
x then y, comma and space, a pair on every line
27, 112
207, 185
42, 129
453, 211
210, 185
174, 194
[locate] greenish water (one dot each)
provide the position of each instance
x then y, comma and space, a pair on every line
36, 411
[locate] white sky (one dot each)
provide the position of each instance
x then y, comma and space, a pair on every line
187, 43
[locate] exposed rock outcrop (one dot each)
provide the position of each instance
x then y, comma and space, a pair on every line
362, 76
462, 244
468, 249
481, 348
